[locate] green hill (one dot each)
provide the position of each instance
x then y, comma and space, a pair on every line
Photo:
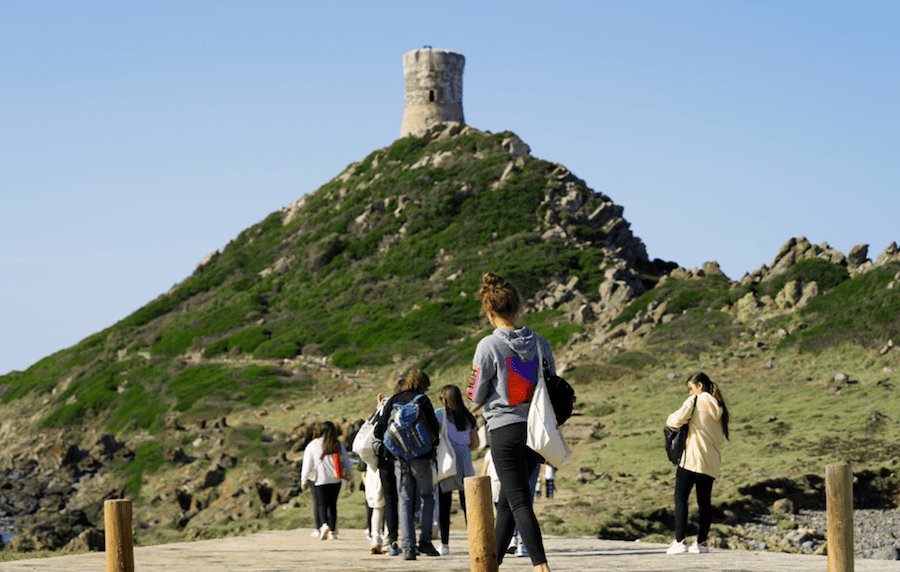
197, 405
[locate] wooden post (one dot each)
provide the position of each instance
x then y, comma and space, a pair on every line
480, 518
119, 541
839, 505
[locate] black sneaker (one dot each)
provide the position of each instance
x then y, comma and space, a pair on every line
409, 553
425, 547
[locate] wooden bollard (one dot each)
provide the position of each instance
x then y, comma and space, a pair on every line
119, 541
839, 509
480, 525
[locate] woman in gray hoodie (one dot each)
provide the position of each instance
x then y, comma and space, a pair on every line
504, 375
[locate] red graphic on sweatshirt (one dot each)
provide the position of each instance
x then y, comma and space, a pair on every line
473, 382
521, 379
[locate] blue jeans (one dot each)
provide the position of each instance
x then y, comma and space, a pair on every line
415, 476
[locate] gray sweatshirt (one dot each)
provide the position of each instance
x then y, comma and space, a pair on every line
505, 373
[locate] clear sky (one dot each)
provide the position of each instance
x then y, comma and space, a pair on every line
137, 137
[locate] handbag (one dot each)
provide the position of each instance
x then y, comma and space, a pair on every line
544, 435
676, 440
562, 395
445, 456
341, 471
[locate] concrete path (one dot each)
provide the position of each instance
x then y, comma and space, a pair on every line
295, 550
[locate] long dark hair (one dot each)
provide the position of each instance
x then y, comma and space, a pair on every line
462, 418
710, 387
330, 443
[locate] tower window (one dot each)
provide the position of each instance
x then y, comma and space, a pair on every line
431, 95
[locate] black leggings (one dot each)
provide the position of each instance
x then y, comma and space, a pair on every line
326, 503
684, 481
391, 500
444, 500
515, 463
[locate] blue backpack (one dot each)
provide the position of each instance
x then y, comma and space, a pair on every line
407, 434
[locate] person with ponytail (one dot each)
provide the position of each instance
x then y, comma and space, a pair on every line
462, 430
325, 462
505, 372
707, 417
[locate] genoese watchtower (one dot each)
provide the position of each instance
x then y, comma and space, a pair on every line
433, 89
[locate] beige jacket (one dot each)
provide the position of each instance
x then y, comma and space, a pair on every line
702, 453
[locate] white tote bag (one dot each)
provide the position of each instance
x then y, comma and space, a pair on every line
545, 436
446, 457
364, 442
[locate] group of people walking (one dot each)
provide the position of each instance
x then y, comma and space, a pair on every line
505, 371
408, 486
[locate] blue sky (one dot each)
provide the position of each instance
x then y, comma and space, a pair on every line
136, 137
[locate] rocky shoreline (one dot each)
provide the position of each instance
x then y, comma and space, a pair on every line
876, 533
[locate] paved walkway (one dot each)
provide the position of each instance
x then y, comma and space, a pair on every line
295, 550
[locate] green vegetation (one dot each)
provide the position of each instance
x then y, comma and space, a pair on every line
861, 310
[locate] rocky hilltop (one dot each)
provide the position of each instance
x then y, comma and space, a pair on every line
198, 405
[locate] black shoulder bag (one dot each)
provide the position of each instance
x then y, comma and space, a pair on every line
676, 440
562, 395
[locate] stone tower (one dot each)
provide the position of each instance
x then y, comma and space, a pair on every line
433, 89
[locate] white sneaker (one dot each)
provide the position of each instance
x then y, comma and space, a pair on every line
698, 548
332, 535
520, 551
324, 531
513, 546
677, 547
315, 533
444, 550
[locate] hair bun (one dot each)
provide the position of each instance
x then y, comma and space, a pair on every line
492, 280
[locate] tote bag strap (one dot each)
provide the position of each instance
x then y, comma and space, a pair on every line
541, 374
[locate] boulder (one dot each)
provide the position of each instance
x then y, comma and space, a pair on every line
783, 506
890, 254
515, 147
789, 295
747, 306
90, 540
887, 553
810, 291
858, 256
712, 269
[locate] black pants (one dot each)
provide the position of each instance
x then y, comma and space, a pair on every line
515, 463
326, 503
684, 481
444, 501
391, 500
315, 508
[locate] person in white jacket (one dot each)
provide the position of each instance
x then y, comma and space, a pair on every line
326, 464
707, 417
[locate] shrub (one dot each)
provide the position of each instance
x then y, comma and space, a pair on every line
277, 349
249, 339
404, 148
